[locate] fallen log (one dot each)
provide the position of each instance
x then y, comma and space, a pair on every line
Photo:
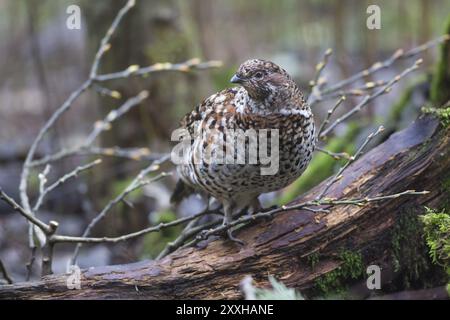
415, 158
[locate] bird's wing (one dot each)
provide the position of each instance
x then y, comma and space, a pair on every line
219, 103
211, 108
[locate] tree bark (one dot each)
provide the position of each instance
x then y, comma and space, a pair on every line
415, 158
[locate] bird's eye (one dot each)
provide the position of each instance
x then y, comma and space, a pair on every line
258, 75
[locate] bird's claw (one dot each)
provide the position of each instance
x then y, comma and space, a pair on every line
234, 239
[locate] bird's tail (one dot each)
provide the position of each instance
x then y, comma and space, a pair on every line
182, 190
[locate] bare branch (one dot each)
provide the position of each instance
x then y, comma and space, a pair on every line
72, 174
317, 82
398, 55
104, 43
358, 153
334, 155
136, 154
104, 47
244, 220
355, 92
26, 166
112, 116
106, 92
26, 214
4, 273
368, 98
329, 114
137, 183
189, 231
134, 70
68, 239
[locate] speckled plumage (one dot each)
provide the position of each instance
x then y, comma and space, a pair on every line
267, 99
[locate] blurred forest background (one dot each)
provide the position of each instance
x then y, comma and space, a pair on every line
43, 62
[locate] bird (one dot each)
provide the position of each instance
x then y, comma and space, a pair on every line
266, 99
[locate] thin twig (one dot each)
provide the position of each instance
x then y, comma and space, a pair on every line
112, 116
244, 220
25, 213
133, 70
356, 92
93, 79
4, 273
106, 92
352, 159
99, 127
182, 237
368, 98
334, 155
136, 154
68, 239
26, 166
104, 43
317, 82
30, 263
189, 232
329, 114
398, 55
137, 183
72, 174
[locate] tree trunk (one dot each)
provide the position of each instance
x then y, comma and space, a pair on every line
415, 158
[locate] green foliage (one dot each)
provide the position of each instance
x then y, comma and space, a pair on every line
440, 83
155, 242
445, 186
437, 236
405, 100
443, 114
313, 259
335, 282
120, 185
409, 252
398, 107
321, 166
278, 292
221, 77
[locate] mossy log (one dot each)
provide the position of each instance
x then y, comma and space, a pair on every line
415, 158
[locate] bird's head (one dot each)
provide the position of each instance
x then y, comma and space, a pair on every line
264, 81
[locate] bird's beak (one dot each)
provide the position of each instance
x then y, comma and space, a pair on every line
236, 79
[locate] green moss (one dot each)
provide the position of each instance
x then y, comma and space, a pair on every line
335, 282
445, 186
409, 252
443, 114
440, 83
155, 242
437, 236
313, 259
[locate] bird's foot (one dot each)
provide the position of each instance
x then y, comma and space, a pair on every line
229, 235
234, 239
